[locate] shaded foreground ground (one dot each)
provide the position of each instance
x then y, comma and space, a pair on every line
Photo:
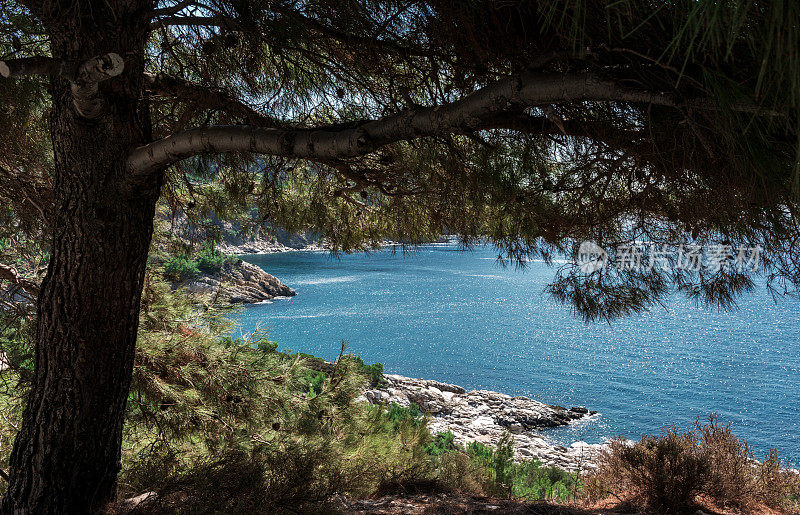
454, 504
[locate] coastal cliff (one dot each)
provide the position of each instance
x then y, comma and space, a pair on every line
483, 416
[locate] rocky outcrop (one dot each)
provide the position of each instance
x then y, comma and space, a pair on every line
239, 282
484, 416
267, 247
279, 241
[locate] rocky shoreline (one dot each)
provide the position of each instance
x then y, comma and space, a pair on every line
277, 241
293, 244
239, 282
484, 416
478, 415
267, 247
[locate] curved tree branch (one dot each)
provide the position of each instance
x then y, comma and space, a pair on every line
468, 114
477, 111
85, 90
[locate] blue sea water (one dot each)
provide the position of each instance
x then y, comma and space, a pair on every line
458, 317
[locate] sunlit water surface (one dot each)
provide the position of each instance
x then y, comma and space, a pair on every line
458, 317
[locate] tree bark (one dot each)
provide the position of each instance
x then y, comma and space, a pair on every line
67, 454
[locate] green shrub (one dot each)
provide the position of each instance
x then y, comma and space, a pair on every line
486, 470
533, 481
397, 414
503, 464
442, 442
315, 381
209, 259
479, 450
499, 463
460, 472
180, 269
373, 372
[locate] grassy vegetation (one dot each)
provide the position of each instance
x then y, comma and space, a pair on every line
235, 426
486, 470
180, 269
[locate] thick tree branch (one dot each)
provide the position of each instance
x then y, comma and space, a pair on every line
96, 69
30, 66
477, 111
83, 76
85, 90
468, 114
174, 9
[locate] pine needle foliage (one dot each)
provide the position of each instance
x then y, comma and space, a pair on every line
207, 413
716, 159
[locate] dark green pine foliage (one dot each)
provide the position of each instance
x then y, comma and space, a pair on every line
719, 165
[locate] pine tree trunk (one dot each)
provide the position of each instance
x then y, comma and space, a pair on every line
67, 454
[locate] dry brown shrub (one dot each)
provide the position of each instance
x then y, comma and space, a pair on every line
670, 472
463, 474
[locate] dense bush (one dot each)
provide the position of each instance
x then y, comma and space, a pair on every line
666, 472
398, 415
523, 480
315, 381
442, 443
183, 265
278, 436
673, 471
209, 259
485, 470
206, 410
180, 269
373, 372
